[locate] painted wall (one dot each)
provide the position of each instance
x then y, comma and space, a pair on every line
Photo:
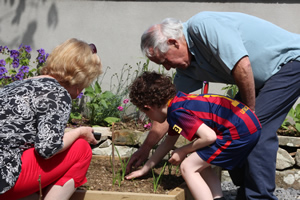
116, 26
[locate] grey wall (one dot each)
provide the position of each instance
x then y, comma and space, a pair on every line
116, 26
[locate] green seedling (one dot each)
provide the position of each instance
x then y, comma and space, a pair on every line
157, 179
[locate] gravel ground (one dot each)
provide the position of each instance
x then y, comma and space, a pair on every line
229, 191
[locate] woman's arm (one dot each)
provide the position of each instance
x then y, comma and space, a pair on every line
81, 132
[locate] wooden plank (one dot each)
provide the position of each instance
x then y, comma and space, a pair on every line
176, 194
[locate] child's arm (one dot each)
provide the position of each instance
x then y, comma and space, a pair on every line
206, 136
158, 155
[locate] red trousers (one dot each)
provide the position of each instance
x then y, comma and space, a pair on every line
73, 163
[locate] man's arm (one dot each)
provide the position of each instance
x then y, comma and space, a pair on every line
159, 154
243, 76
157, 131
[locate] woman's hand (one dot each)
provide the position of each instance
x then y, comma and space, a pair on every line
83, 132
177, 157
87, 134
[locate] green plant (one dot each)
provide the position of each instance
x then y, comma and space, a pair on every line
231, 90
119, 176
16, 65
107, 107
177, 169
295, 115
75, 112
124, 163
116, 176
103, 106
157, 179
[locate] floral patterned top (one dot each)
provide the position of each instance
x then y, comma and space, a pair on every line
33, 113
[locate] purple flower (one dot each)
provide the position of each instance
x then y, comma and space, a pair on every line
2, 62
19, 76
3, 70
27, 48
24, 69
15, 63
80, 95
14, 54
125, 101
41, 59
120, 108
41, 51
3, 48
4, 77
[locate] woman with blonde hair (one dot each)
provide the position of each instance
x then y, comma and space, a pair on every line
36, 152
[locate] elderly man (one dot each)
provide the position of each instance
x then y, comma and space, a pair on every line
262, 59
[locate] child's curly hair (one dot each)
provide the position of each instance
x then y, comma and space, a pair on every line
151, 89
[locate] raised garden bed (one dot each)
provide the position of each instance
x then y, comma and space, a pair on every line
100, 184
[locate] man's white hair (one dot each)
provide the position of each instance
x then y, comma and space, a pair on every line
154, 39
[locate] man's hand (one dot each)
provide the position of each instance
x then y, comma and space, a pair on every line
137, 159
157, 131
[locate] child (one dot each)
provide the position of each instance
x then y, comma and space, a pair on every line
223, 131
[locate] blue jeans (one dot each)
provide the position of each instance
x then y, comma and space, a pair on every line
273, 102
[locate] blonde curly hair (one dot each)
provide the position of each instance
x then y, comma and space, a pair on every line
73, 63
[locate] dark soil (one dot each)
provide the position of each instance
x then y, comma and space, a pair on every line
100, 177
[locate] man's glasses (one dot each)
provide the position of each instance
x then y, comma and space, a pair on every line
93, 48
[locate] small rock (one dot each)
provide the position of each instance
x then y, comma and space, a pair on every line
284, 160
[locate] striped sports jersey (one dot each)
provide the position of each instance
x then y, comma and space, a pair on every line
229, 118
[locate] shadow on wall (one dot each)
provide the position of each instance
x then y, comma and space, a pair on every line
20, 9
52, 16
27, 36
29, 33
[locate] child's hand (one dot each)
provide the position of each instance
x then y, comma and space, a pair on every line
177, 157
136, 174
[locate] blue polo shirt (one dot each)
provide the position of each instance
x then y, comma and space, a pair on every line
218, 40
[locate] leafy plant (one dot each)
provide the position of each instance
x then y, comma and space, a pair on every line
124, 163
231, 90
75, 112
285, 124
17, 65
116, 176
295, 115
157, 179
103, 106
107, 107
119, 176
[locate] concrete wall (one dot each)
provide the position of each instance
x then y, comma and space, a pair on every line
116, 26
